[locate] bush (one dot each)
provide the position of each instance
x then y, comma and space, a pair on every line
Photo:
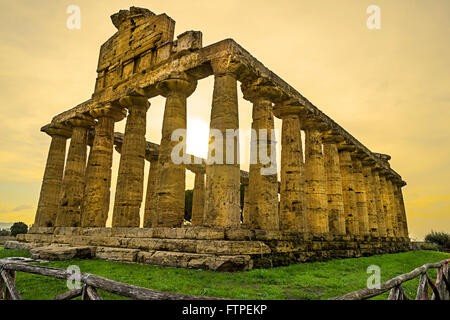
441, 239
18, 228
4, 233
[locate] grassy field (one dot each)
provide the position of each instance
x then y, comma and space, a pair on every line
318, 280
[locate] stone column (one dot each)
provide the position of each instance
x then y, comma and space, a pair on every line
222, 178
263, 180
129, 189
369, 182
72, 191
98, 171
198, 200
348, 189
150, 197
51, 184
395, 209
378, 193
387, 206
402, 208
170, 189
336, 213
292, 188
315, 179
398, 213
360, 191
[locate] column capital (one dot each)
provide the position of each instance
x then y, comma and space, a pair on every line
149, 156
135, 97
57, 129
196, 168
368, 162
226, 66
108, 110
331, 136
177, 83
261, 89
288, 108
358, 154
80, 120
345, 146
308, 122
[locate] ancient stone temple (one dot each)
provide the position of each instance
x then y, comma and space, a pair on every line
334, 198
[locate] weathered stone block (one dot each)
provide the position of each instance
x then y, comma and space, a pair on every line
116, 254
54, 252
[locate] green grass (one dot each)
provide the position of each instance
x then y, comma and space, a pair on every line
318, 280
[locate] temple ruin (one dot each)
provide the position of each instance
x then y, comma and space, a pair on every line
342, 201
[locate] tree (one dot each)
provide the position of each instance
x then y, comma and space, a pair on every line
441, 239
188, 195
19, 228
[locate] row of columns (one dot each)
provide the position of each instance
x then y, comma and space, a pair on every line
334, 190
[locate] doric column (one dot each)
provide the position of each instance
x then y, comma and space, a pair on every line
398, 212
348, 189
98, 171
263, 180
170, 189
292, 188
387, 206
51, 183
369, 182
378, 193
394, 206
399, 185
222, 176
198, 198
150, 197
360, 191
315, 178
130, 180
336, 213
72, 191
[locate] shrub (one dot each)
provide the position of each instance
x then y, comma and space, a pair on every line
18, 228
4, 233
441, 239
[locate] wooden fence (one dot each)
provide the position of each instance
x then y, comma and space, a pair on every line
88, 290
440, 290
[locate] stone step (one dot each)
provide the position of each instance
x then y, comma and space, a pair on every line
217, 247
58, 252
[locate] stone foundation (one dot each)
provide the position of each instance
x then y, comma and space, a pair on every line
200, 247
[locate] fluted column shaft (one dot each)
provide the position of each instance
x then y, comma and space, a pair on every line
336, 213
398, 212
51, 184
348, 192
403, 212
292, 188
129, 189
72, 191
315, 182
223, 180
378, 193
150, 197
198, 200
171, 183
361, 198
387, 206
371, 205
263, 180
394, 207
98, 171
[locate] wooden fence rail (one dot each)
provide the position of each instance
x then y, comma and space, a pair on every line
88, 291
440, 290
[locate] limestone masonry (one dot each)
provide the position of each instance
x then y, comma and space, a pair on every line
342, 201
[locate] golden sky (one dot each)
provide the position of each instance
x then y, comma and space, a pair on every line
390, 88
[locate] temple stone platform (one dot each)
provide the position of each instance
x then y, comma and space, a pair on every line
200, 247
